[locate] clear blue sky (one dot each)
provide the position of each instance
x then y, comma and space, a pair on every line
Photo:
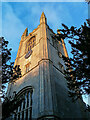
16, 16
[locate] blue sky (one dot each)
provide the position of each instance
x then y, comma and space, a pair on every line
16, 16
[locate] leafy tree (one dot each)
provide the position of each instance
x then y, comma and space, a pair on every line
8, 73
77, 72
11, 105
6, 70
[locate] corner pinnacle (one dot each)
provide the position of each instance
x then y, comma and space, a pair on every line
43, 18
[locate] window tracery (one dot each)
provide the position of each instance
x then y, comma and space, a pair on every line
24, 109
30, 44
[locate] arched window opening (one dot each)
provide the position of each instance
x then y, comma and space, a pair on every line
30, 44
23, 110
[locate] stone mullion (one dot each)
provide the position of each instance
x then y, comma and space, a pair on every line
21, 110
25, 106
26, 101
28, 113
24, 114
21, 115
29, 105
18, 111
29, 98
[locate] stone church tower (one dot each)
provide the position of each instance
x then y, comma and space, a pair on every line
42, 90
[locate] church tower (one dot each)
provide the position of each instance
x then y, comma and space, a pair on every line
42, 90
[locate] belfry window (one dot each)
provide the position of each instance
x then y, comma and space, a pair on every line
30, 44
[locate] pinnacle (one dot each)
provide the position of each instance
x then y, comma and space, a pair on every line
43, 15
43, 18
25, 32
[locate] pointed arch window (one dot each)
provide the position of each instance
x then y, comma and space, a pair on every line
30, 44
23, 109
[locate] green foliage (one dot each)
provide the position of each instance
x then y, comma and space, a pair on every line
9, 73
6, 64
77, 73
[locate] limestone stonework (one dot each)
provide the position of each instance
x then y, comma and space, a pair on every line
42, 82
